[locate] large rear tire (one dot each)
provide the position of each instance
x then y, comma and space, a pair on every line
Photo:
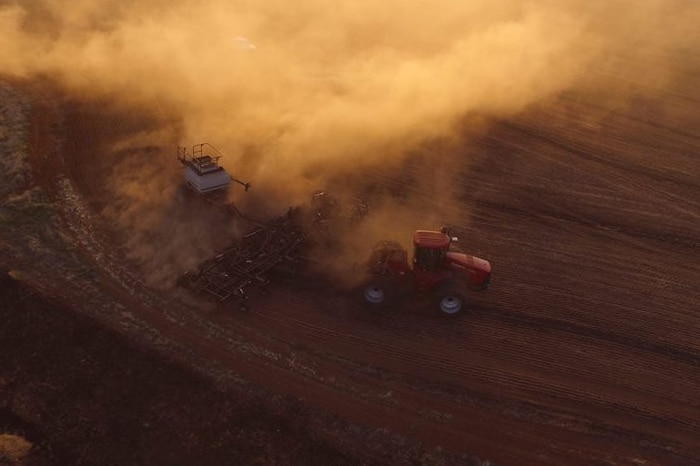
450, 301
378, 292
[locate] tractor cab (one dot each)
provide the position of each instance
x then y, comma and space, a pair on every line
433, 262
429, 252
429, 248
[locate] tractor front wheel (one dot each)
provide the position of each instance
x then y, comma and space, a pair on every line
449, 301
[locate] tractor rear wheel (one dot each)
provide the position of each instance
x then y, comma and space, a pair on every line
378, 291
449, 300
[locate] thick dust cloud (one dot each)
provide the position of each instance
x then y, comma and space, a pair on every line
290, 91
296, 94
335, 85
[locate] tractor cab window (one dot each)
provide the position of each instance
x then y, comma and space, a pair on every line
428, 259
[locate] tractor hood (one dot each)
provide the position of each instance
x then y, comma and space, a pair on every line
478, 270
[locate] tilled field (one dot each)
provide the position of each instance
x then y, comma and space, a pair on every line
583, 351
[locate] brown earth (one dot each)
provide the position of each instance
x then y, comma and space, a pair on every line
583, 351
82, 394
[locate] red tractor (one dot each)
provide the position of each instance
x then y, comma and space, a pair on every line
438, 268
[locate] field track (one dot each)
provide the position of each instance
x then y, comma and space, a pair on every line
584, 350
